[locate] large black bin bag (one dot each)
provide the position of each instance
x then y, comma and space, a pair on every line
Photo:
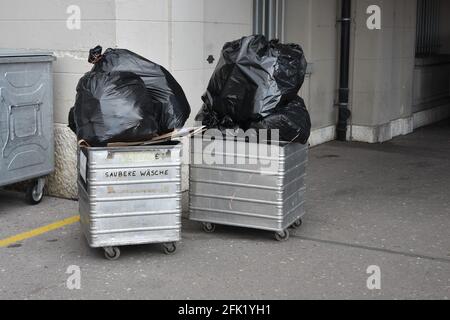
161, 85
252, 77
292, 120
113, 106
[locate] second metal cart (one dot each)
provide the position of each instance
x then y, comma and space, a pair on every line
261, 190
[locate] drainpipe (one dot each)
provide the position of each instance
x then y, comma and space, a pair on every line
344, 112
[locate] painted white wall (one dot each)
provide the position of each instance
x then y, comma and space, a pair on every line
42, 25
200, 28
181, 34
178, 34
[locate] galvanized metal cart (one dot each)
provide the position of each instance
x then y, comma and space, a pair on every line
26, 119
130, 196
262, 190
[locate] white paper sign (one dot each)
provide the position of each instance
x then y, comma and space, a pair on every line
83, 163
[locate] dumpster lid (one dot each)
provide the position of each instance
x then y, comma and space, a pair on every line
23, 53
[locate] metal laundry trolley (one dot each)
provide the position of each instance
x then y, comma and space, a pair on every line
254, 189
26, 119
130, 196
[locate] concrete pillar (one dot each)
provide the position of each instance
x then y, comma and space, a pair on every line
383, 63
312, 24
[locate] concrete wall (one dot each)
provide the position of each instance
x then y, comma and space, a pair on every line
198, 33
431, 83
312, 24
383, 101
383, 62
382, 65
394, 93
179, 34
445, 31
444, 27
42, 25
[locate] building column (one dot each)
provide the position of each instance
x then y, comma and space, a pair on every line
383, 64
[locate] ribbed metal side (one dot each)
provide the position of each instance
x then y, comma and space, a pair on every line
268, 18
267, 197
130, 195
427, 34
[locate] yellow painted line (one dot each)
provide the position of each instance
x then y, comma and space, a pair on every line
36, 232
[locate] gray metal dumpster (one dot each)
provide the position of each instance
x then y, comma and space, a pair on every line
254, 189
26, 119
130, 196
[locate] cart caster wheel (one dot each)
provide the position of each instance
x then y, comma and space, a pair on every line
35, 192
282, 236
170, 248
112, 253
297, 224
209, 227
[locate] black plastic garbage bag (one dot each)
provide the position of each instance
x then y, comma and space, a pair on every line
72, 125
292, 120
113, 106
252, 77
290, 69
161, 85
211, 119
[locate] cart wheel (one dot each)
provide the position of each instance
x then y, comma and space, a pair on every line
112, 253
297, 223
170, 248
209, 227
282, 236
35, 192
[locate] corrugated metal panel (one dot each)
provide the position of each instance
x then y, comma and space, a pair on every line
130, 195
268, 194
427, 36
268, 18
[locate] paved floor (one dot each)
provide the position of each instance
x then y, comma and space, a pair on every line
386, 205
